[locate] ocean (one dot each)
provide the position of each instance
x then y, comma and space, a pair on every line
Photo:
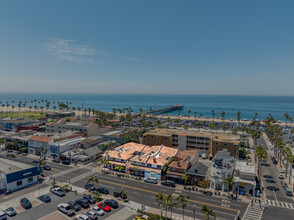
202, 104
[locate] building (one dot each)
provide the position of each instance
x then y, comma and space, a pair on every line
58, 115
222, 165
82, 126
91, 141
19, 124
53, 145
15, 175
197, 173
120, 136
204, 142
245, 178
180, 164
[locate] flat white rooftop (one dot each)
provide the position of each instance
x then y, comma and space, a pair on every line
245, 167
10, 166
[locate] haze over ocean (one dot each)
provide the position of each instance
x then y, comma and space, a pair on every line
202, 104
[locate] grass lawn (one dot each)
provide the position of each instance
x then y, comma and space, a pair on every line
34, 115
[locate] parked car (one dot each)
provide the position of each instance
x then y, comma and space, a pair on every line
25, 203
83, 202
204, 156
112, 203
3, 215
74, 205
91, 214
102, 190
168, 183
104, 207
90, 187
58, 191
66, 162
120, 194
98, 210
150, 180
284, 184
82, 217
45, 198
66, 209
10, 211
89, 199
45, 167
288, 191
281, 176
56, 160
283, 170
35, 161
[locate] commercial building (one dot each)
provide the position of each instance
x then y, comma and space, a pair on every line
15, 175
245, 178
120, 136
222, 165
19, 124
204, 142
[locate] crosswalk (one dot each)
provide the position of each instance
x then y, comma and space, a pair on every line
82, 176
253, 212
226, 203
63, 172
276, 203
177, 193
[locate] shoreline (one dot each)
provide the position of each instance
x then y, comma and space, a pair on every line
78, 113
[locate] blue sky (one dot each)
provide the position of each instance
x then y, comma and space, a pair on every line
149, 47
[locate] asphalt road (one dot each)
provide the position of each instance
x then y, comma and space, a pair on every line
144, 193
271, 181
274, 213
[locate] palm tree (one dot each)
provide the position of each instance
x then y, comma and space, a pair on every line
198, 124
186, 178
212, 113
166, 201
261, 154
229, 181
92, 180
224, 127
255, 135
172, 206
189, 113
195, 113
208, 212
223, 113
184, 201
160, 201
105, 161
238, 116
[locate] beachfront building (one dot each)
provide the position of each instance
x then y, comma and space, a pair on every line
120, 136
204, 142
222, 165
19, 124
82, 126
180, 164
52, 145
15, 175
245, 178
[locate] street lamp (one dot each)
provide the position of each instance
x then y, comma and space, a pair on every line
194, 207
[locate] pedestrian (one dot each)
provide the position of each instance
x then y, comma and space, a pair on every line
259, 204
76, 192
251, 203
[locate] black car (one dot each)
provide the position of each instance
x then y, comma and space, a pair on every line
112, 203
90, 187
45, 198
56, 160
120, 194
168, 183
25, 203
35, 161
67, 162
74, 205
83, 202
45, 167
89, 199
102, 190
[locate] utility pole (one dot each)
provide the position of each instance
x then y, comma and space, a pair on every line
194, 209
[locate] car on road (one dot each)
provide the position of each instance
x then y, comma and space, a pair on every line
45, 167
25, 203
288, 191
89, 199
83, 202
66, 209
35, 161
74, 205
90, 187
112, 203
58, 191
150, 180
120, 194
272, 188
66, 162
281, 176
102, 190
10, 211
56, 160
104, 207
45, 198
91, 214
284, 184
2, 215
82, 217
98, 210
168, 183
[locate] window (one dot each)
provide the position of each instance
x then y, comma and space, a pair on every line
19, 183
225, 144
31, 179
145, 141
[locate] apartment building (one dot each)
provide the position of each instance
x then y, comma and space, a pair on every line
204, 142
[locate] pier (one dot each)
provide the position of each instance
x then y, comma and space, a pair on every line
165, 110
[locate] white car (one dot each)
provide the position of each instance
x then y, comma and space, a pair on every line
98, 210
282, 170
82, 217
3, 215
66, 209
281, 176
10, 211
204, 156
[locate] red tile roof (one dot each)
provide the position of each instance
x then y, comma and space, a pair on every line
40, 139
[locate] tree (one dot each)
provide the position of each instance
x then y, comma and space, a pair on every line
166, 201
195, 113
186, 178
160, 201
286, 115
211, 126
172, 206
261, 154
212, 113
208, 212
238, 116
184, 201
93, 180
198, 124
223, 113
224, 127
229, 181
234, 131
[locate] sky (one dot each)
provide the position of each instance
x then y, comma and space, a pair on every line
227, 47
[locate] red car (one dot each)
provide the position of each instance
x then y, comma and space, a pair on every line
104, 207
